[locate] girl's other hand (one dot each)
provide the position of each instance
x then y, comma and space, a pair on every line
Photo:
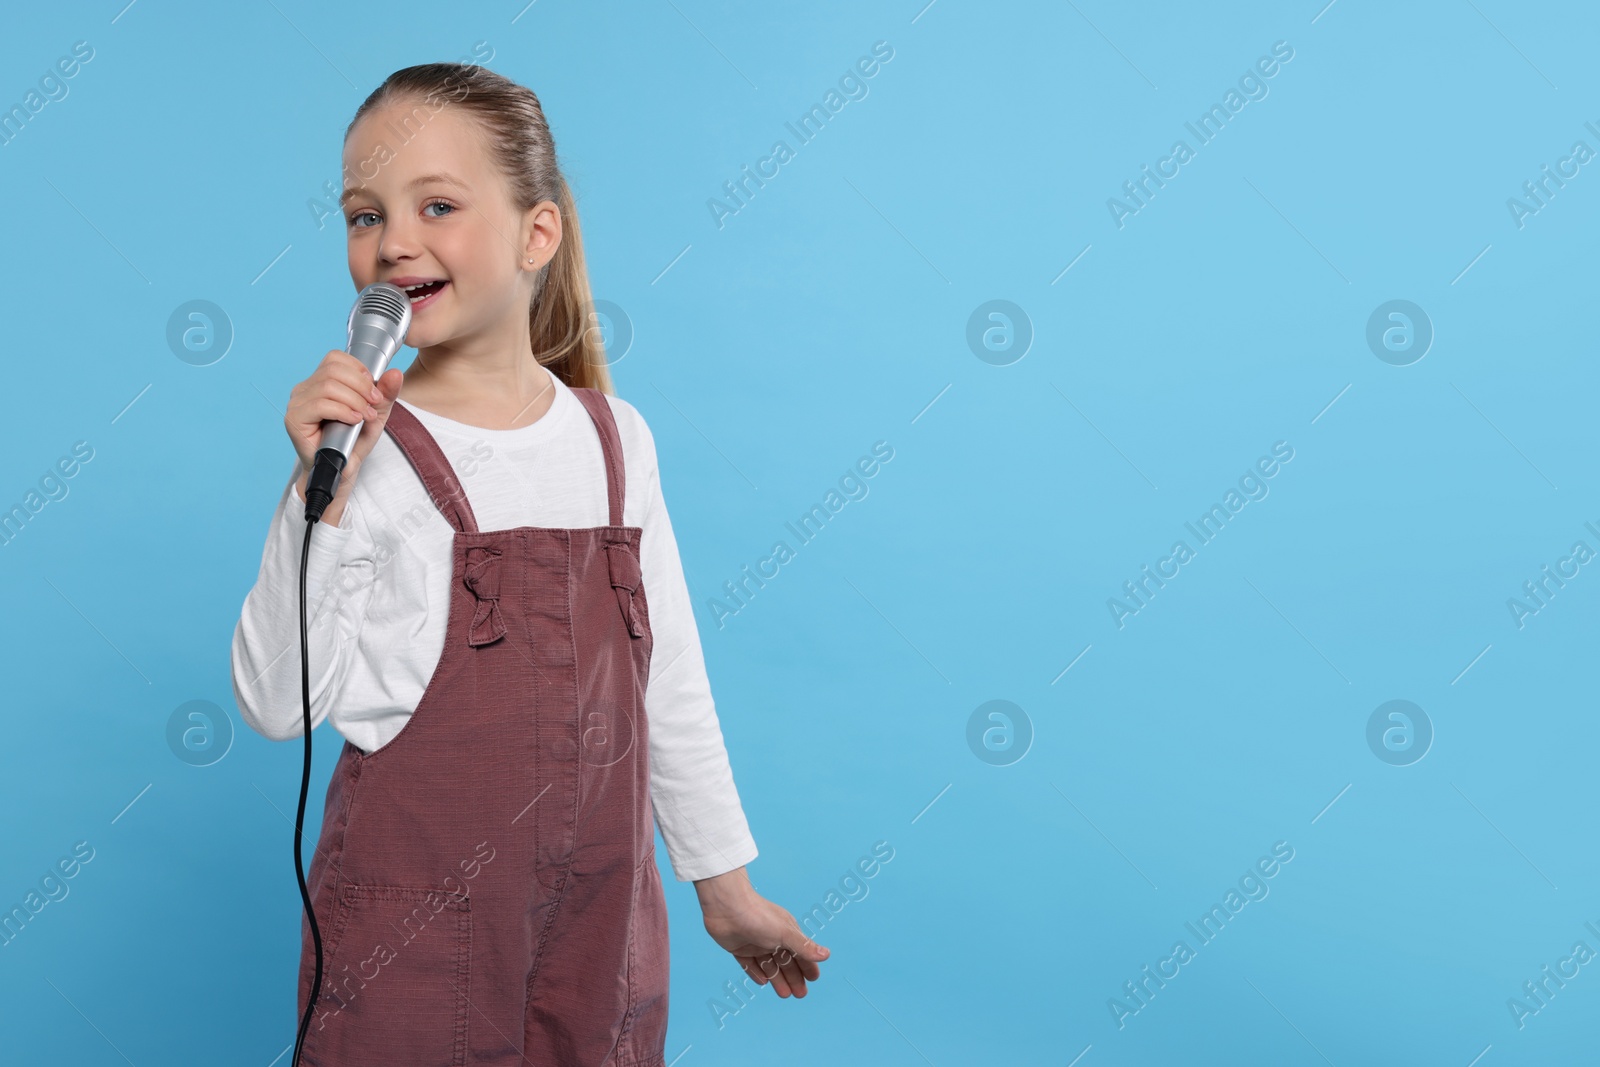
342, 390
762, 936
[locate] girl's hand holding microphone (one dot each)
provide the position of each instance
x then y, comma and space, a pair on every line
340, 389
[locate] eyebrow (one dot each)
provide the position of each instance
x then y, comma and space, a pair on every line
423, 179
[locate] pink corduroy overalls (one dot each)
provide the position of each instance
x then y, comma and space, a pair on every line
485, 884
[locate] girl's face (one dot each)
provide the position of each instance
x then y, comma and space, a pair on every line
426, 204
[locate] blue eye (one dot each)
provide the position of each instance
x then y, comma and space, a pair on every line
432, 203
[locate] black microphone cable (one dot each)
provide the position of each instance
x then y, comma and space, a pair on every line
375, 331
319, 495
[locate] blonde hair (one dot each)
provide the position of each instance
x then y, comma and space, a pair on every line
559, 316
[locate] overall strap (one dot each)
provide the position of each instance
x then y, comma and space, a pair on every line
610, 445
431, 466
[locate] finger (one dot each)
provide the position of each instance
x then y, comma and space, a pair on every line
804, 952
773, 968
807, 956
389, 391
316, 389
748, 964
389, 383
807, 952
373, 428
357, 399
359, 380
347, 369
763, 970
343, 366
325, 408
796, 980
788, 966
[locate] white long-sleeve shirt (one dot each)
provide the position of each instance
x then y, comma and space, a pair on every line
378, 596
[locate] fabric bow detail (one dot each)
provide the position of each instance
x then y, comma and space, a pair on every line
625, 579
483, 578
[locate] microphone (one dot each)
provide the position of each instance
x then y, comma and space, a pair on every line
377, 327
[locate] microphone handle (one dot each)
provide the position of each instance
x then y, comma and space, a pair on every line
374, 347
341, 436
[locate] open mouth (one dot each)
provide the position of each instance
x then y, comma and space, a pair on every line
424, 294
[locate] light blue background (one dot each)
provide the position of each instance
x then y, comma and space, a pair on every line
831, 312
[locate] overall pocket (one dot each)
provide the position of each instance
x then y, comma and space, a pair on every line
395, 980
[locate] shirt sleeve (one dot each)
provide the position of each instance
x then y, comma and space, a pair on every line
691, 783
266, 642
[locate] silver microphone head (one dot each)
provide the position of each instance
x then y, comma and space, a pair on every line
378, 325
379, 322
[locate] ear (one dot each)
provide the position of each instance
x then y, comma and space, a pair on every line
541, 234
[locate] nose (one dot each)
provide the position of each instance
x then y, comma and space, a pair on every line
398, 242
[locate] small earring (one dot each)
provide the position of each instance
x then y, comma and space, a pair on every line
530, 261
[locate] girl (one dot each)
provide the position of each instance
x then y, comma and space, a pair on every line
501, 631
